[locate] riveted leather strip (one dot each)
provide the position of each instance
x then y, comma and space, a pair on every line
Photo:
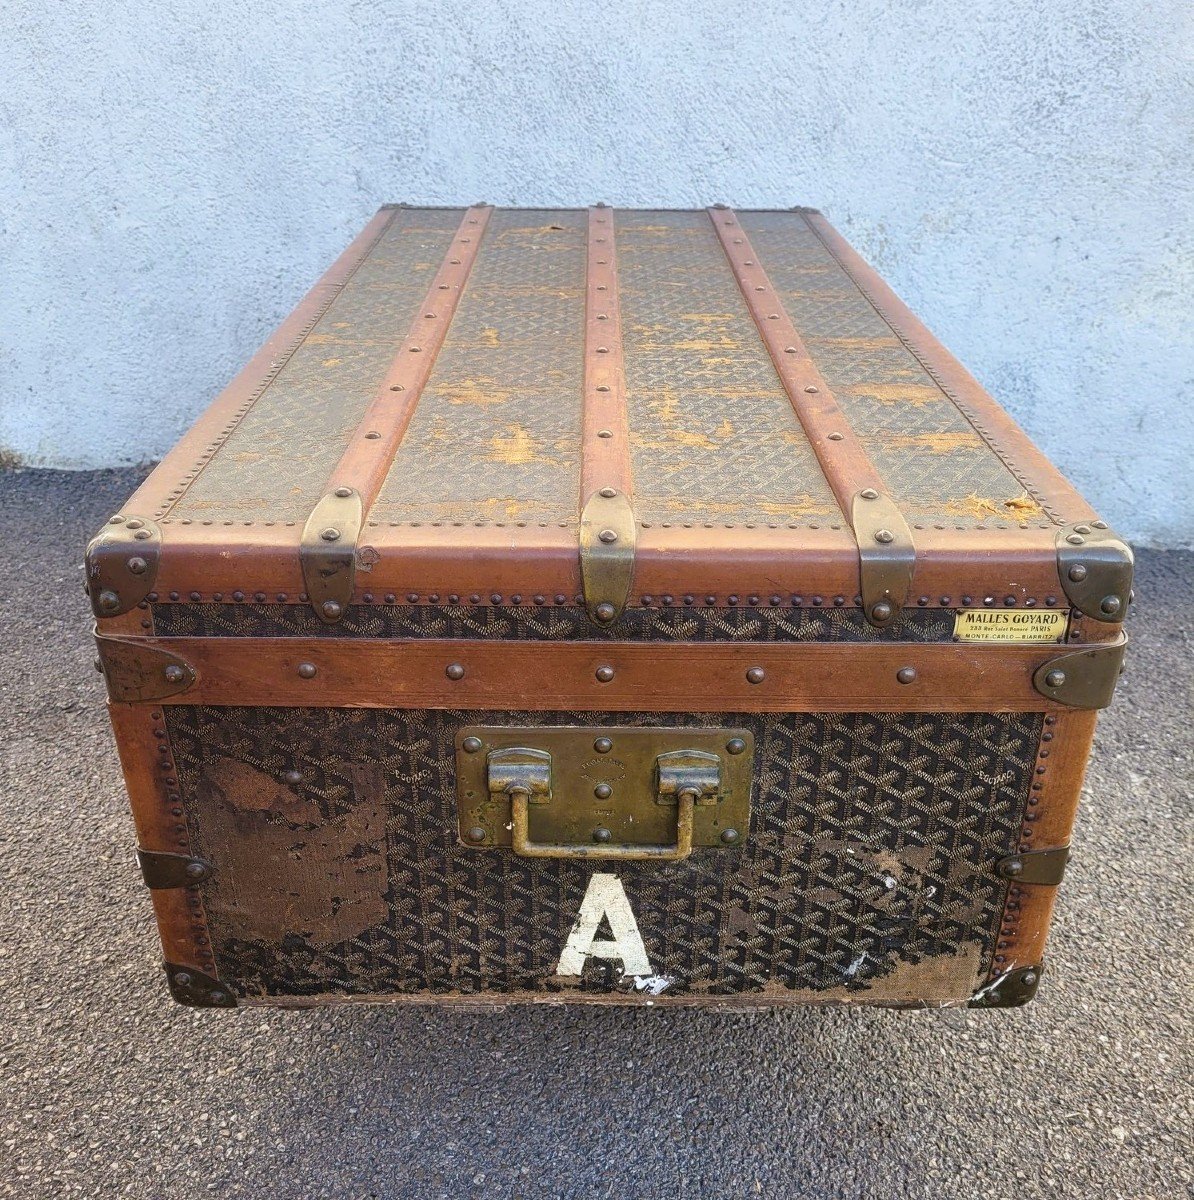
885, 548
608, 530
329, 541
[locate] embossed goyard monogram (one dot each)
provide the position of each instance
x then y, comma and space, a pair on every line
626, 607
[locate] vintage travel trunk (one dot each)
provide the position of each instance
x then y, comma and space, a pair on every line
605, 606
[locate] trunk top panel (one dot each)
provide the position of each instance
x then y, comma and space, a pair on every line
604, 405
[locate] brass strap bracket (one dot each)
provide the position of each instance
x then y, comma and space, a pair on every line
1009, 990
1095, 568
194, 988
161, 869
137, 670
1035, 866
886, 555
1082, 678
121, 564
328, 552
607, 539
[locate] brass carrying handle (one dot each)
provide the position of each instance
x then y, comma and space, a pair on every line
521, 835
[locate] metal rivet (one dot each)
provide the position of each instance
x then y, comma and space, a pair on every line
1081, 528
373, 436
756, 675
1078, 573
1055, 679
836, 437
1100, 524
454, 671
906, 675
331, 609
735, 746
607, 536
605, 611
292, 777
330, 535
882, 611
174, 673
604, 674
137, 566
884, 536
143, 535
344, 492
108, 602
608, 493
603, 745
195, 870
218, 996
869, 494
1012, 868
729, 836
471, 745
476, 834
601, 834
604, 433
1110, 605
135, 523
306, 670
1028, 978
182, 978
1076, 539
811, 390
603, 791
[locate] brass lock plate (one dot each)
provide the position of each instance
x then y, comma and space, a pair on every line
609, 787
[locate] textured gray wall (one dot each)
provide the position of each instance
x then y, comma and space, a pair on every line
173, 177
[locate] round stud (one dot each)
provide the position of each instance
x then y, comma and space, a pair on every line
1110, 605
344, 492
604, 674
1029, 978
906, 675
471, 745
135, 523
605, 611
454, 671
609, 493
884, 535
756, 675
882, 611
476, 834
603, 791
306, 670
330, 535
869, 494
729, 836
1077, 572
292, 777
108, 602
607, 536
174, 673
195, 870
735, 746
1013, 867
601, 834
331, 609
603, 745
604, 433
137, 566
218, 996
836, 437
1076, 539
1055, 679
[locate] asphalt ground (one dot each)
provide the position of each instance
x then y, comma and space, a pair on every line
109, 1089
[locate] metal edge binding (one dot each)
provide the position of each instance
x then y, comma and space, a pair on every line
121, 563
608, 534
1012, 989
1045, 867
1083, 678
195, 989
161, 869
1095, 570
136, 671
886, 555
328, 552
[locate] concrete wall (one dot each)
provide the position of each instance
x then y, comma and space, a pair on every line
173, 177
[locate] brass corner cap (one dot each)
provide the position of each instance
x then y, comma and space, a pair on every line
121, 564
1094, 567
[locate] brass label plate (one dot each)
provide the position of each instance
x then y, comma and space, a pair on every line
581, 767
1010, 625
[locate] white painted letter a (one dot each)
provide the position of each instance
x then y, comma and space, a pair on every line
605, 897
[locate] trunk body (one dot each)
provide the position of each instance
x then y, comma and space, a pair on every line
605, 606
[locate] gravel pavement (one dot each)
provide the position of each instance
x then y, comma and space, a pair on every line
108, 1089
